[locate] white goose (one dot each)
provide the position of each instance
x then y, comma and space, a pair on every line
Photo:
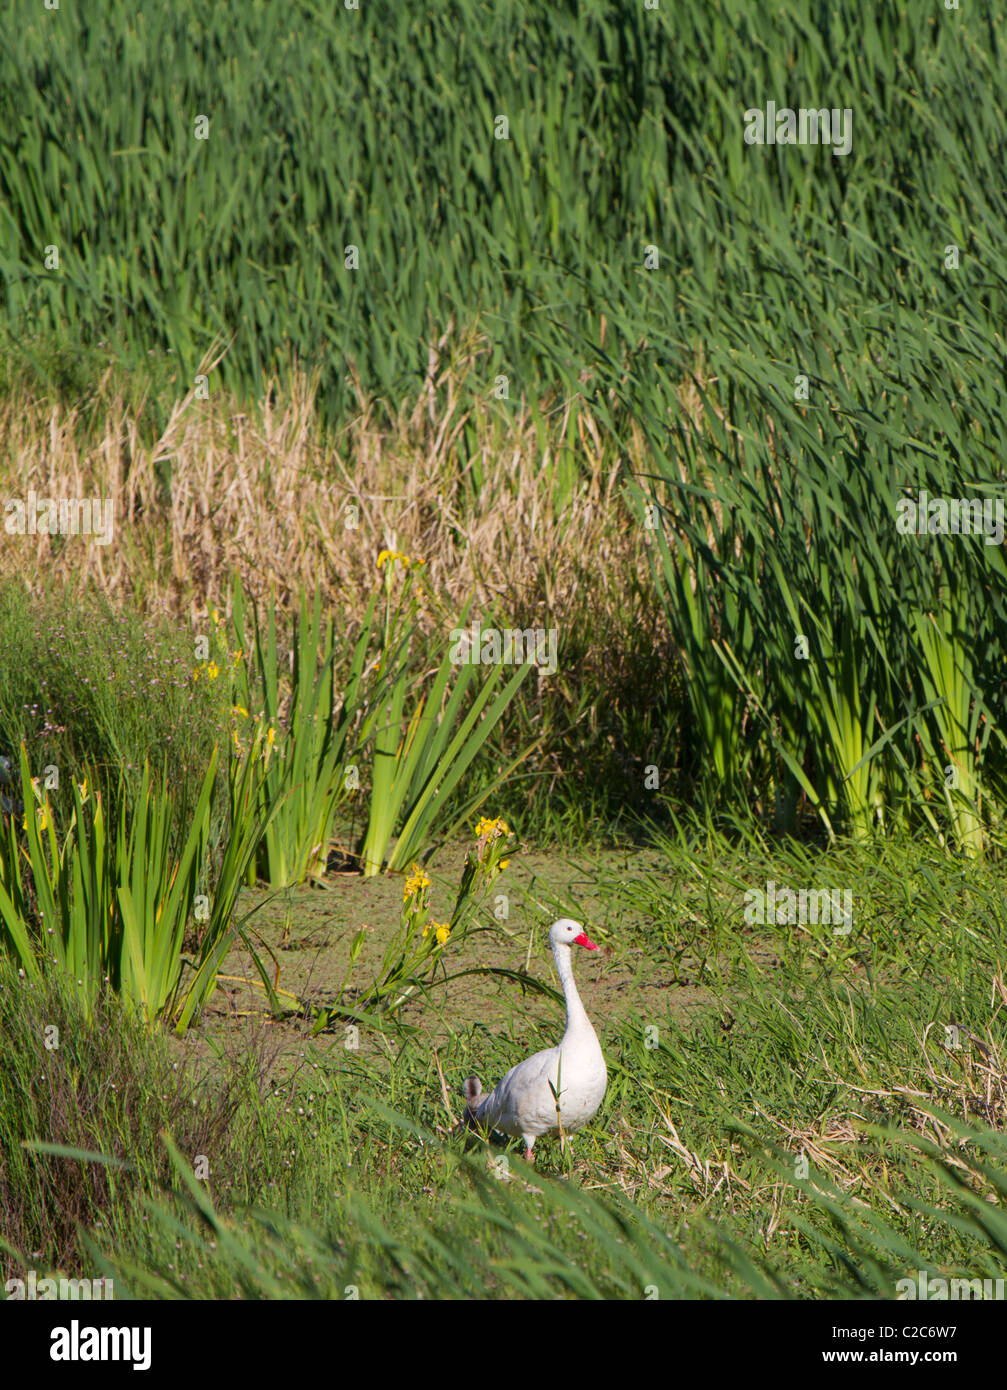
522, 1104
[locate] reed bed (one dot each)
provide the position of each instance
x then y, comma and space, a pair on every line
205, 490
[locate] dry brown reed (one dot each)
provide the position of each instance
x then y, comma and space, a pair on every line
267, 492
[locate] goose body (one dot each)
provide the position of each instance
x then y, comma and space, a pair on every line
522, 1104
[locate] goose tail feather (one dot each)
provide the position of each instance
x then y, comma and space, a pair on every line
474, 1100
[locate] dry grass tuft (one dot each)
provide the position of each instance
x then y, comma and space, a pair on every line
267, 493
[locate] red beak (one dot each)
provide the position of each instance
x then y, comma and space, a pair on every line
585, 940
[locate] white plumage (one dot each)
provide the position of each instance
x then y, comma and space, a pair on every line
522, 1104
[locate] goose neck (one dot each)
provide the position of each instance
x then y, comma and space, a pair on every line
576, 1015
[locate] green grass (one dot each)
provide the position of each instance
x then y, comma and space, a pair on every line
252, 241
625, 131
795, 1042
87, 685
100, 1083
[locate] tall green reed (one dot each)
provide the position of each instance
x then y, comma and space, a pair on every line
422, 753
308, 716
112, 906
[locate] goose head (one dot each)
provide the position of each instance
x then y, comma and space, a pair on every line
567, 932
